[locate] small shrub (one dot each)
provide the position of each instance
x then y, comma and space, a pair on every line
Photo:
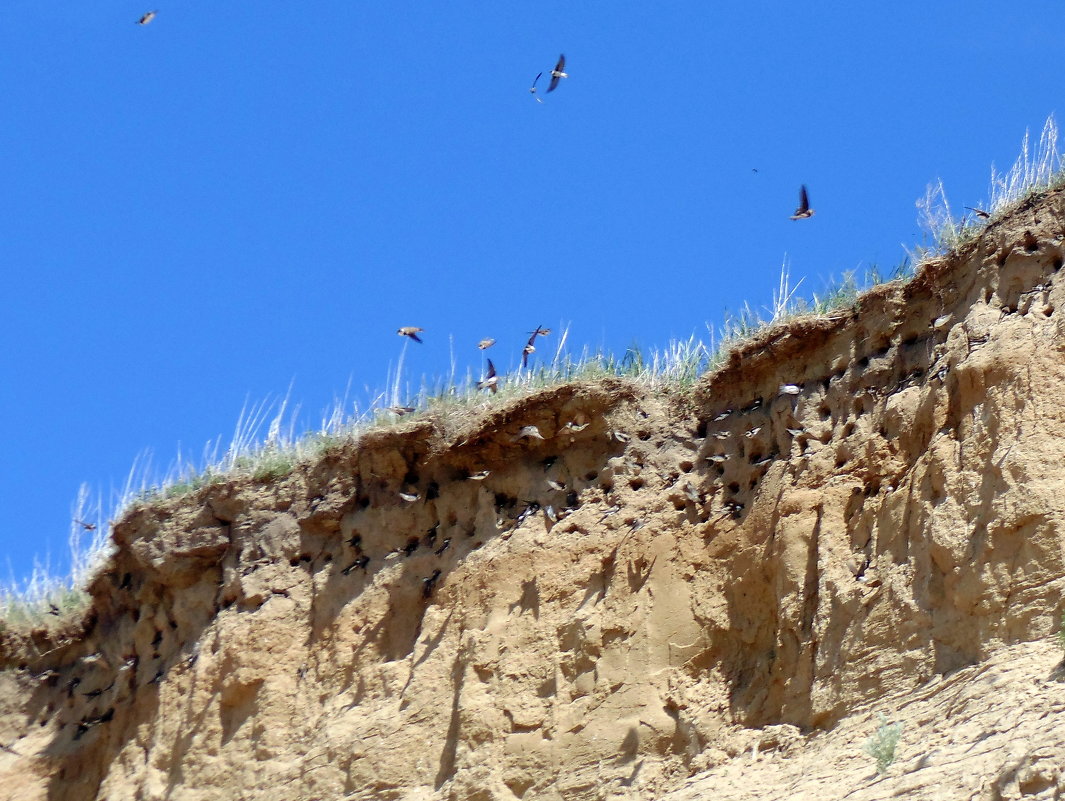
881, 746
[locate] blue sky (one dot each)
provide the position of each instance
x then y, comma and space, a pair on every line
241, 197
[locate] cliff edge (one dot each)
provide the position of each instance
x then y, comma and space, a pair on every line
707, 592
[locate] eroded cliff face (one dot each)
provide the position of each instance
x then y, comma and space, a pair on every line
848, 509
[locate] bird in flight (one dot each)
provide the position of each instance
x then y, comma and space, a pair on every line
983, 215
148, 17
484, 344
532, 89
491, 380
804, 209
557, 73
530, 347
410, 331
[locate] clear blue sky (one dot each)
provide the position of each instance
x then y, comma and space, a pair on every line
240, 196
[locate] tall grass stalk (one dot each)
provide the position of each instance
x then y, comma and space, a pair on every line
265, 444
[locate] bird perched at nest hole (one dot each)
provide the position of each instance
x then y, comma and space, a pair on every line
429, 583
558, 73
804, 209
410, 331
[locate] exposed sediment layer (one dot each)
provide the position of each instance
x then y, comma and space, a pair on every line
850, 507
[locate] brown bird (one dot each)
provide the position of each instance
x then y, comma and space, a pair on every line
144, 20
410, 331
983, 215
557, 73
484, 344
804, 209
530, 347
491, 380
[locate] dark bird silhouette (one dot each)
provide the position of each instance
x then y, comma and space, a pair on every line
804, 209
410, 331
491, 380
84, 525
355, 541
430, 536
411, 546
445, 546
557, 73
146, 18
530, 347
532, 89
358, 564
429, 583
983, 215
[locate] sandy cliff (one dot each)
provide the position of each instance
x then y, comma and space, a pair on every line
707, 592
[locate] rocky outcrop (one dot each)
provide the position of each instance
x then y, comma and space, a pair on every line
597, 590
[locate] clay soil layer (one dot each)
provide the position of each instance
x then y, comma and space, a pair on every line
700, 593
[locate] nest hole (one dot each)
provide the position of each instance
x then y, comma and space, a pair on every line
643, 435
686, 466
733, 487
700, 430
1048, 311
636, 484
824, 412
1057, 263
592, 476
848, 429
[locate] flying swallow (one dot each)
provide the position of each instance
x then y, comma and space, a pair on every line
410, 497
410, 331
84, 525
557, 73
491, 380
144, 20
530, 347
528, 431
789, 389
804, 209
532, 89
983, 215
484, 344
399, 411
444, 547
479, 476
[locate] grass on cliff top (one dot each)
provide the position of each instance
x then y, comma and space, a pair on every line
266, 446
